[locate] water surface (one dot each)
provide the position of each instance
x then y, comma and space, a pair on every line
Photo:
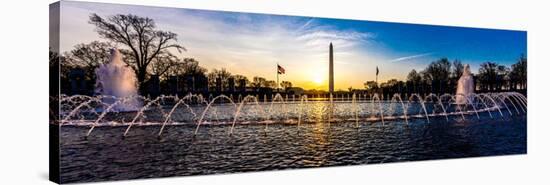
106, 155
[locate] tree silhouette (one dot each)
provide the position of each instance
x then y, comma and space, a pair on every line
414, 77
370, 85
258, 82
165, 63
270, 84
438, 70
189, 67
437, 75
221, 74
238, 78
489, 75
140, 36
457, 70
502, 77
286, 85
241, 81
89, 56
60, 65
518, 73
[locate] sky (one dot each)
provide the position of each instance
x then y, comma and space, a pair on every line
252, 44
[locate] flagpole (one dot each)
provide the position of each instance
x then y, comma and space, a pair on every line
277, 77
377, 76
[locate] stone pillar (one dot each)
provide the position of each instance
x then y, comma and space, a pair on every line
242, 85
219, 87
231, 84
172, 85
78, 83
154, 86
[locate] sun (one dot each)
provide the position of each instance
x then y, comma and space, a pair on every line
318, 78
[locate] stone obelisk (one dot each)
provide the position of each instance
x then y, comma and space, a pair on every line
331, 71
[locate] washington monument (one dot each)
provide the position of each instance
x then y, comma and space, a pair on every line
330, 70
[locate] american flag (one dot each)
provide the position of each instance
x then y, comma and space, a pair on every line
280, 69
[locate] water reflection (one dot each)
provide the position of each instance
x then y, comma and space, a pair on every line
109, 156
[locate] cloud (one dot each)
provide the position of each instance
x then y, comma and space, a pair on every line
252, 44
410, 57
248, 44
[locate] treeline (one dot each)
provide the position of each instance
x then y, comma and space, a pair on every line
169, 75
442, 76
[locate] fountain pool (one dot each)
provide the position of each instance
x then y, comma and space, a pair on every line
194, 135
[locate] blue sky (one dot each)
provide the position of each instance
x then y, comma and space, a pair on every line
252, 44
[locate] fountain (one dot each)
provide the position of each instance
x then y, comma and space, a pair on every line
222, 110
465, 86
118, 80
219, 129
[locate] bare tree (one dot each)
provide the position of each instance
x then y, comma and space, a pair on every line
458, 68
164, 63
140, 36
89, 56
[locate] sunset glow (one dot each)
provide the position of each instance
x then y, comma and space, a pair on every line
252, 44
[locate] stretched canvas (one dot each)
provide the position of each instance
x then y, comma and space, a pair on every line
146, 92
